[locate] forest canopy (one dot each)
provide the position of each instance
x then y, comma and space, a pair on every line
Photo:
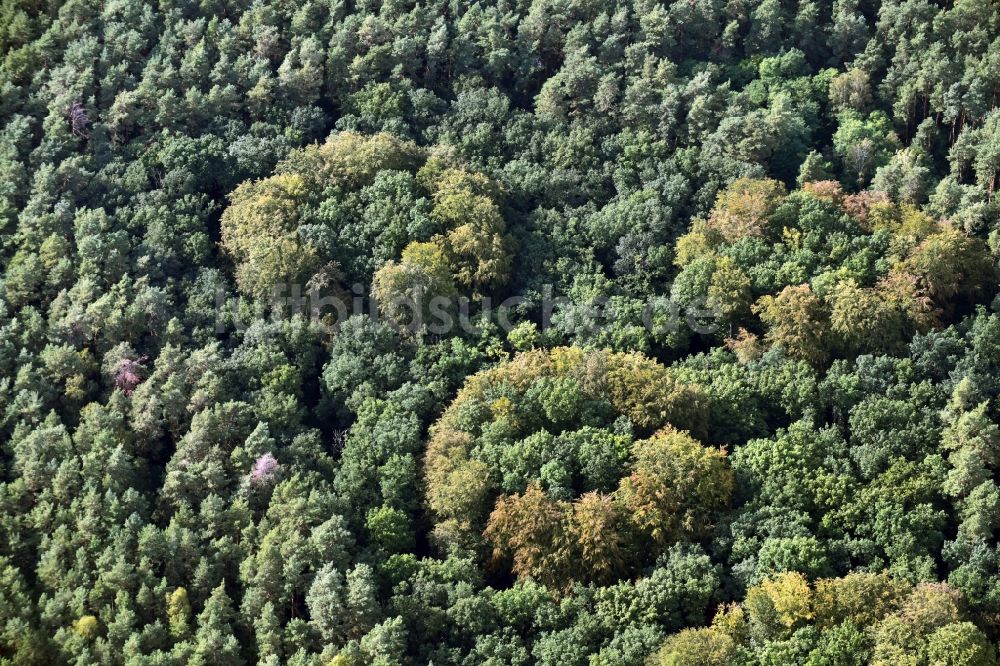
543, 332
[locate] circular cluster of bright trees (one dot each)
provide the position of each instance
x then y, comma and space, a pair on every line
570, 465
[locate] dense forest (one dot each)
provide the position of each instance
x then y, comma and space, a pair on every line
513, 332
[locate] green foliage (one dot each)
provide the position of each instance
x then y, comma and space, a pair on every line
863, 143
707, 324
347, 207
419, 291
797, 322
675, 486
390, 529
509, 431
858, 619
697, 647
